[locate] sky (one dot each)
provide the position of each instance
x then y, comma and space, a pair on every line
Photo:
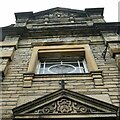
9, 7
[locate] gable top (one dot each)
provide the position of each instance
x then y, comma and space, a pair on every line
79, 13
64, 102
59, 9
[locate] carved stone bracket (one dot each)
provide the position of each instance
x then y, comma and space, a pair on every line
8, 46
97, 77
27, 79
117, 58
114, 49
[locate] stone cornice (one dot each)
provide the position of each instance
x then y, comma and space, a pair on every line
82, 13
11, 31
62, 30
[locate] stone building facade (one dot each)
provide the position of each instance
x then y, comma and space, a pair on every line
60, 64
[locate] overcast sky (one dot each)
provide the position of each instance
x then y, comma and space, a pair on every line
9, 7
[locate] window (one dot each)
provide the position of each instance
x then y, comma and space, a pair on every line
46, 58
62, 67
62, 59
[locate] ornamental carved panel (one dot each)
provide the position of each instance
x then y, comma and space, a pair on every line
65, 106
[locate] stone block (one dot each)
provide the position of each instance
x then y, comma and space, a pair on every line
114, 48
117, 58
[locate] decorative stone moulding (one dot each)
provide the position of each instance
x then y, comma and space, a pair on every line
7, 51
65, 104
97, 77
112, 40
28, 79
117, 58
114, 48
44, 51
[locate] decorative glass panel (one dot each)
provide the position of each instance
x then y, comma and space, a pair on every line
62, 67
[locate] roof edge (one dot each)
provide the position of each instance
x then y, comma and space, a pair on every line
93, 11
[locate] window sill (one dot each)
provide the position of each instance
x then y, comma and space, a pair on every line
96, 76
58, 75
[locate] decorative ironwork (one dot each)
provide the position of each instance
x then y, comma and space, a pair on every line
65, 106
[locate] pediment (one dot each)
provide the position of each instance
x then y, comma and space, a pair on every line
58, 15
64, 103
64, 12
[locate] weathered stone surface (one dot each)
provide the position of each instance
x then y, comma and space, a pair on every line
102, 85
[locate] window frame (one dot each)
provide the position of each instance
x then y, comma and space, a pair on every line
92, 66
94, 72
